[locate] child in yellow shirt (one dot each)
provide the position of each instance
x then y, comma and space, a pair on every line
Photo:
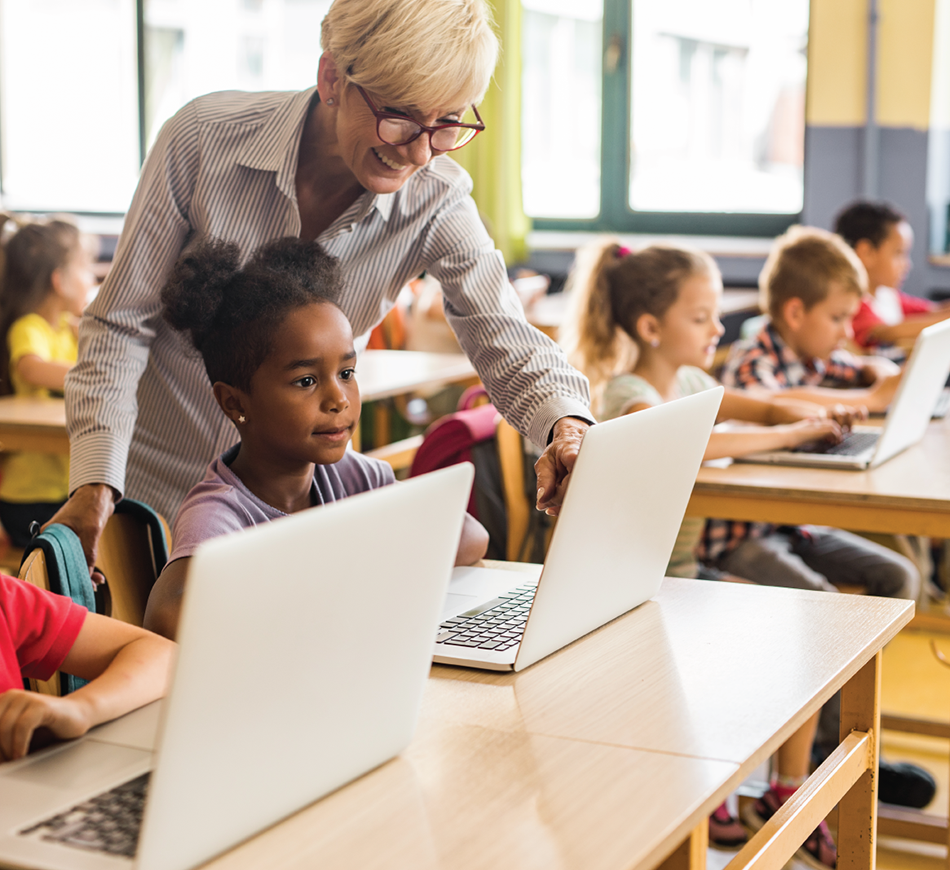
44, 286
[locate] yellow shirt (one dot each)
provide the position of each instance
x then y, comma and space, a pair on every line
37, 477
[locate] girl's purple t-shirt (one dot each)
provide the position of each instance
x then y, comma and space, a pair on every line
221, 503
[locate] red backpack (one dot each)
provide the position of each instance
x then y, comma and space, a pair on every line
469, 435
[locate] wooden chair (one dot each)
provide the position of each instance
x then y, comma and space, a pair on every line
519, 507
131, 560
34, 571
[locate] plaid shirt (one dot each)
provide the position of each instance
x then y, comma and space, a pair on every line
767, 361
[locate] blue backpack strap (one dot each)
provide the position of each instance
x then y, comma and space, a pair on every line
68, 575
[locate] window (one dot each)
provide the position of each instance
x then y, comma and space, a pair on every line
698, 127
75, 120
69, 136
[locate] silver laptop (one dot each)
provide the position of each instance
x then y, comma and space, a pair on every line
907, 417
623, 509
277, 698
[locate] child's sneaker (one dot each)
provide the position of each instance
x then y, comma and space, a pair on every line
725, 830
818, 851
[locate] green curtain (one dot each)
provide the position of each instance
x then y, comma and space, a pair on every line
493, 159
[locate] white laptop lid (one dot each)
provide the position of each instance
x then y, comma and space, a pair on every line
924, 377
278, 698
620, 518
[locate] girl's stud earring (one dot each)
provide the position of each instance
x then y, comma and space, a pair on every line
242, 419
655, 342
330, 101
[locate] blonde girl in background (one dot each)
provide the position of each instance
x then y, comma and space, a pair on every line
644, 328
45, 280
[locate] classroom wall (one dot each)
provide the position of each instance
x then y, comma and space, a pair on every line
836, 112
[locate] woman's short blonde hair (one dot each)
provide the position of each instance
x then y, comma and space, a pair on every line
421, 54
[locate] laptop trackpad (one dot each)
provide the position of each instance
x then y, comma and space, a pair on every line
455, 604
470, 587
76, 764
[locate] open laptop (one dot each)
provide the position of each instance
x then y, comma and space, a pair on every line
609, 551
277, 698
907, 417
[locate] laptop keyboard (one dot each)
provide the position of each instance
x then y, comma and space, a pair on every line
851, 445
109, 822
497, 624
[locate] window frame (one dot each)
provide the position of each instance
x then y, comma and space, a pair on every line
616, 216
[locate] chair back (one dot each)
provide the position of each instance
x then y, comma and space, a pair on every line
133, 551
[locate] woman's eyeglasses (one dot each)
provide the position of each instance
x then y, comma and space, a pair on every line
396, 129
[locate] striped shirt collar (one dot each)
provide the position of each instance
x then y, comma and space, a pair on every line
275, 148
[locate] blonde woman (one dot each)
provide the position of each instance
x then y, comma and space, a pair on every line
358, 163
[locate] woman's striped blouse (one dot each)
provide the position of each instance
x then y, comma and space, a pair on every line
141, 415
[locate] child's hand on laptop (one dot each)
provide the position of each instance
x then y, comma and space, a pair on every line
812, 430
22, 713
847, 415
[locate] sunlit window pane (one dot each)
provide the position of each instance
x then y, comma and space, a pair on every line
718, 105
561, 97
68, 104
193, 48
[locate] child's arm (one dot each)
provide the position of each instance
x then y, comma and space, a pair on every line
38, 372
908, 329
772, 409
164, 601
753, 439
875, 368
474, 542
127, 665
875, 398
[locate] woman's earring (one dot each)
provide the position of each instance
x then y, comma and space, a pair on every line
330, 101
242, 419
654, 342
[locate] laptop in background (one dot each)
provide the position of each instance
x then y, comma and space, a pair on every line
277, 698
622, 512
907, 417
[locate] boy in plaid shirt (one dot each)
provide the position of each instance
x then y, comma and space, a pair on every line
811, 285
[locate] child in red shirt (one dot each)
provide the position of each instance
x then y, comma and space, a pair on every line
40, 633
882, 239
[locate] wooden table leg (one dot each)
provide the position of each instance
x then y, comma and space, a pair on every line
691, 854
857, 812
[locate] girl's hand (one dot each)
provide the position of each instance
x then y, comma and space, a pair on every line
21, 713
815, 429
847, 415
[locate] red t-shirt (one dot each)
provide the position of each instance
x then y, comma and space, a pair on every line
37, 631
867, 318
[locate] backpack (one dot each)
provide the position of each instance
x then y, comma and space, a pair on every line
469, 435
67, 574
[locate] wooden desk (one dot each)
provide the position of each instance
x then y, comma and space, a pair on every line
909, 494
40, 424
612, 753
33, 424
385, 373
